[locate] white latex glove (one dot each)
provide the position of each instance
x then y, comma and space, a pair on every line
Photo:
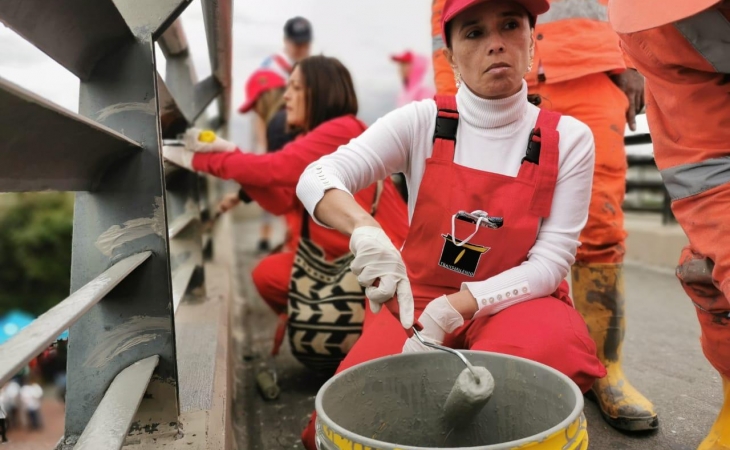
438, 319
178, 155
377, 259
197, 140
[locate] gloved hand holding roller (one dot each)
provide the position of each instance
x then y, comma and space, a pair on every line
380, 269
438, 319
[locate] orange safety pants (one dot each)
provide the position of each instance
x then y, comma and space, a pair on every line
688, 110
596, 101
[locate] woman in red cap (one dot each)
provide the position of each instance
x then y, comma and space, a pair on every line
320, 101
413, 68
265, 97
499, 192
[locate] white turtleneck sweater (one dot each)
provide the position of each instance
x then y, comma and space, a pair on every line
491, 137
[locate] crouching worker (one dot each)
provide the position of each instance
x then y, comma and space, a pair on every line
320, 101
499, 192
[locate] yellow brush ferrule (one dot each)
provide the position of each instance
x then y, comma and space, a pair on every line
206, 136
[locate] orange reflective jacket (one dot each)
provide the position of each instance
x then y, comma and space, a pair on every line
574, 39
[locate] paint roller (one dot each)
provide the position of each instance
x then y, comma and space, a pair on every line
472, 389
470, 393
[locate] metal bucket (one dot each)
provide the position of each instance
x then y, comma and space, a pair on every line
395, 403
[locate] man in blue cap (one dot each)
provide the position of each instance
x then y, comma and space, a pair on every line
297, 45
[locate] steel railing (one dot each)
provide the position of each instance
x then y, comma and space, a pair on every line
654, 185
138, 223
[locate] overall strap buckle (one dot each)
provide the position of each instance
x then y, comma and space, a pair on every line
447, 119
534, 143
445, 128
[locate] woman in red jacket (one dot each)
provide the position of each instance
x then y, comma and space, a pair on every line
320, 100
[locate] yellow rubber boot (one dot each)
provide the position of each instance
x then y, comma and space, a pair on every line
719, 437
598, 293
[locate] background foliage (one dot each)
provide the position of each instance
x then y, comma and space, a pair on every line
35, 250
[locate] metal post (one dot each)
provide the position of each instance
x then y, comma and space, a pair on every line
125, 216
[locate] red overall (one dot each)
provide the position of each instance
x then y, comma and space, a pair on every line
548, 330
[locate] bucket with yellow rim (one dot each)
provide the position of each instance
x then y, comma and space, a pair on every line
395, 403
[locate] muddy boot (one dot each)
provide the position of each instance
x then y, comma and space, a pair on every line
598, 292
719, 437
695, 272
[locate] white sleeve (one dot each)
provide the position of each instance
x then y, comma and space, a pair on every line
554, 251
385, 148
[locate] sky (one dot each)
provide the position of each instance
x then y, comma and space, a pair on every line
362, 34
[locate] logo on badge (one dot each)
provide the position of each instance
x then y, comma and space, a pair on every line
463, 259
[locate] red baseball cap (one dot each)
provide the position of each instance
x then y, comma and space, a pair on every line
258, 83
453, 7
405, 57
633, 15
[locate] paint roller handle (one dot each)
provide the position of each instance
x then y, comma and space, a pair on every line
394, 309
449, 350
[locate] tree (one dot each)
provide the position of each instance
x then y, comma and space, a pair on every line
35, 251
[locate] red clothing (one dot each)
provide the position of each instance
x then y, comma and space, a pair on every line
271, 181
548, 329
271, 277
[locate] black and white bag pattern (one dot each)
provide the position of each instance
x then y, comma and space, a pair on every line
326, 305
326, 308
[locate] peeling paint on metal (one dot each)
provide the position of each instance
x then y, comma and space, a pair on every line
131, 230
149, 108
135, 331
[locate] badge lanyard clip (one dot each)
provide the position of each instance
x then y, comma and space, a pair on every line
478, 217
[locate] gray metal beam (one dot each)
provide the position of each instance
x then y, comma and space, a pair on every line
146, 17
186, 252
75, 33
172, 118
68, 152
190, 99
181, 222
218, 29
173, 41
180, 280
111, 421
205, 92
34, 338
126, 216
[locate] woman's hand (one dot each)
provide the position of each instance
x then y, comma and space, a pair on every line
229, 202
178, 156
197, 140
438, 319
379, 267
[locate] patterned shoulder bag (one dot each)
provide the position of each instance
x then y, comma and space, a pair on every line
326, 303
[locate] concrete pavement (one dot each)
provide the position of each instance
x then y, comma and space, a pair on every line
663, 360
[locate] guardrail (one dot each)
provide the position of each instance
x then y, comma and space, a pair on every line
138, 225
642, 161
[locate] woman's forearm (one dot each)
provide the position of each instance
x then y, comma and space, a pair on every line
339, 210
464, 303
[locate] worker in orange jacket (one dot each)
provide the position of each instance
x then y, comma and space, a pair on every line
683, 49
579, 70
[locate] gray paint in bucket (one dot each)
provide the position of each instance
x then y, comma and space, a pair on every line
397, 401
